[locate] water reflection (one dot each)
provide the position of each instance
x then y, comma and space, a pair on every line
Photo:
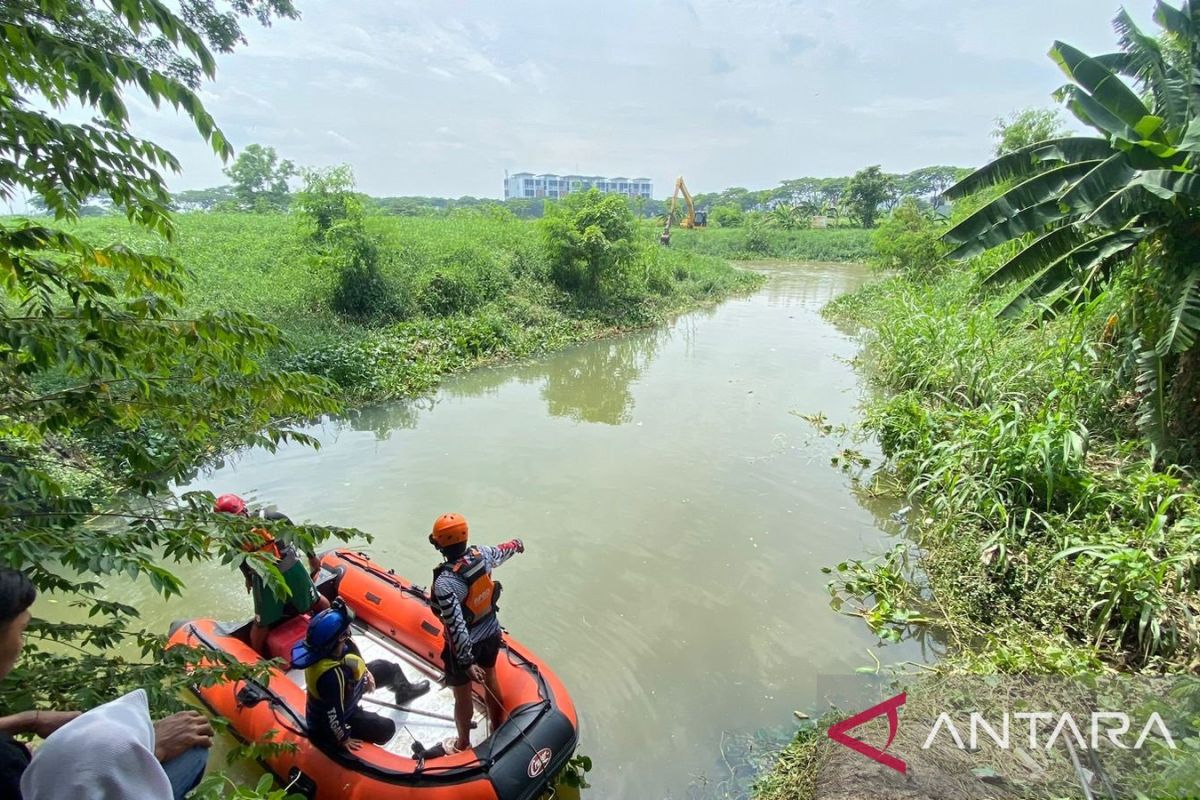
383, 420
594, 384
591, 382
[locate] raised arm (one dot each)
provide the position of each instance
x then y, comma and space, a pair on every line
502, 552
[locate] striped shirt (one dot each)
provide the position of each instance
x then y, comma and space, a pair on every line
449, 591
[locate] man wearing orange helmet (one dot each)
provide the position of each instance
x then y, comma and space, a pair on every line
270, 609
464, 596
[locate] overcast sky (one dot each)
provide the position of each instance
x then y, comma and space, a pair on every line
441, 98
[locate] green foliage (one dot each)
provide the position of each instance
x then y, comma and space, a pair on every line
726, 216
834, 244
755, 240
328, 198
788, 218
216, 198
866, 192
1037, 515
574, 772
263, 264
907, 241
465, 280
344, 248
1083, 206
1027, 127
260, 179
891, 599
215, 787
591, 240
796, 771
96, 346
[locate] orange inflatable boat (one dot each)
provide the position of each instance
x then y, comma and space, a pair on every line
517, 761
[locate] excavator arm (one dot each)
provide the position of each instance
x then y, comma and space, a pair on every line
690, 221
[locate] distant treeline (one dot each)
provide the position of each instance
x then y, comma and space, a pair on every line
259, 183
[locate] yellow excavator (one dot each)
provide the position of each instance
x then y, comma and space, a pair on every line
694, 218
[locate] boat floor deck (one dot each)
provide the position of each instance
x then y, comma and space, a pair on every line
410, 724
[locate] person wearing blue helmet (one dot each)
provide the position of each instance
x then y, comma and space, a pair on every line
337, 678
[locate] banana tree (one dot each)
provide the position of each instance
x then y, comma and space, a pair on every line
1080, 205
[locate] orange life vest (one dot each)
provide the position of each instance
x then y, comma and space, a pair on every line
482, 591
266, 544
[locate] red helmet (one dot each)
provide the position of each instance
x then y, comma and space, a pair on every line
448, 530
230, 504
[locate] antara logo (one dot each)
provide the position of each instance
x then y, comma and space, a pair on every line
890, 707
1107, 728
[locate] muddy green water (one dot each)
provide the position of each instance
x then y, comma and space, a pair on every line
676, 515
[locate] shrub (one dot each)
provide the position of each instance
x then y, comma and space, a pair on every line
464, 281
908, 242
727, 216
361, 291
756, 239
591, 241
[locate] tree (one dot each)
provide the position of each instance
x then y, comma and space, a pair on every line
214, 199
591, 239
866, 192
727, 216
831, 192
1024, 128
787, 218
907, 242
109, 391
330, 202
260, 179
929, 184
1082, 205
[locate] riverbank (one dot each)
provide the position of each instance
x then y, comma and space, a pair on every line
757, 241
1046, 536
462, 290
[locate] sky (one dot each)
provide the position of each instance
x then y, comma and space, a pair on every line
441, 98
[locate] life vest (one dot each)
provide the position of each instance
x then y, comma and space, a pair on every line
266, 543
358, 668
482, 591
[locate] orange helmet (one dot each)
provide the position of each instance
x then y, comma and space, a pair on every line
448, 530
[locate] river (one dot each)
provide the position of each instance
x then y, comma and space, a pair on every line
675, 509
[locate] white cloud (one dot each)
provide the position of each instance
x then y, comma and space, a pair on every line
337, 138
891, 107
441, 99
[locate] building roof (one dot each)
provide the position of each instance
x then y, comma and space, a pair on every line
591, 178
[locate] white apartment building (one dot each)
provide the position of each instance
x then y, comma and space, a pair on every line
528, 185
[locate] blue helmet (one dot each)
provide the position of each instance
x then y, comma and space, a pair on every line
324, 631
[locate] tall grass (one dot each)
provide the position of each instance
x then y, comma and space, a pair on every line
463, 289
1044, 524
757, 241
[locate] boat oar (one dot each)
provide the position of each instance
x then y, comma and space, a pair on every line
417, 711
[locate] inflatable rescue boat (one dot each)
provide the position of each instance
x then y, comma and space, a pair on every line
517, 761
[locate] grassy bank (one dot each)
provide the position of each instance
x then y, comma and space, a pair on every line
1051, 539
462, 290
1047, 536
752, 242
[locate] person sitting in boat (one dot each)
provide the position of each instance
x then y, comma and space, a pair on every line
270, 609
464, 596
337, 678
